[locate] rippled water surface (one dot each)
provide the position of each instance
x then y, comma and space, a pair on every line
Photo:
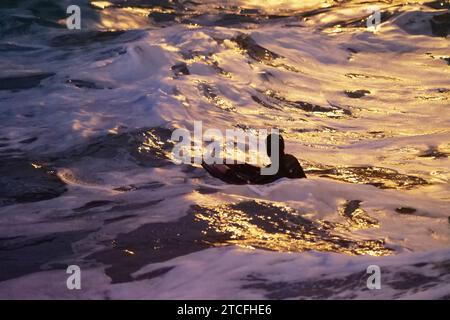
87, 176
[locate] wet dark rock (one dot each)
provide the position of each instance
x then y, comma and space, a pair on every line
352, 50
273, 100
21, 82
206, 58
254, 50
163, 16
405, 210
248, 223
273, 227
180, 69
368, 76
382, 178
434, 153
357, 218
21, 182
204, 190
309, 107
23, 256
356, 94
440, 25
84, 84
264, 103
234, 19
84, 38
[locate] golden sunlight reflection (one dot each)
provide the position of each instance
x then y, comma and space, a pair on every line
151, 143
129, 252
126, 18
255, 224
101, 4
275, 5
36, 165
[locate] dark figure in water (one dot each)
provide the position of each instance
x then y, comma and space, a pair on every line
289, 167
